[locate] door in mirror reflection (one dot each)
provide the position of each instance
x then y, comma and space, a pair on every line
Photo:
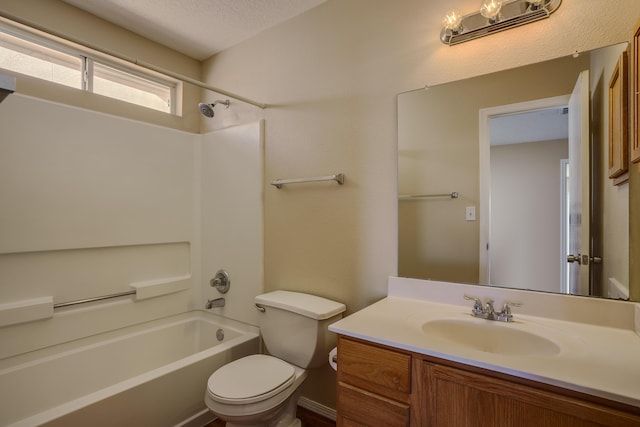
579, 189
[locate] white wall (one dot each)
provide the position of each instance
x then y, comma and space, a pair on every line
232, 221
92, 203
526, 215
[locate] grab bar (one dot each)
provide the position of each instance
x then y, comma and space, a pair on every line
142, 290
453, 195
86, 300
339, 178
21, 311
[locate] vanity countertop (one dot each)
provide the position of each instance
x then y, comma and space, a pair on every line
599, 343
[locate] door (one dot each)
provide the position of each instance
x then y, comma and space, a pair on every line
579, 188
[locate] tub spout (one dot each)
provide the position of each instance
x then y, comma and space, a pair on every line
213, 303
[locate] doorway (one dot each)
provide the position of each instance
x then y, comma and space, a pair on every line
522, 147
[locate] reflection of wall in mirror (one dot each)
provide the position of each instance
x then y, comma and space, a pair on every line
525, 214
438, 152
611, 222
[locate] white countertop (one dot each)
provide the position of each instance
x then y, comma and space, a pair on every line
599, 356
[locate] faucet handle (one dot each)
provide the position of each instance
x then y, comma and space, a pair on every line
476, 300
221, 281
477, 310
508, 304
505, 315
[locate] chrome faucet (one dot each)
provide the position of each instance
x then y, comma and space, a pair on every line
487, 311
477, 310
214, 303
505, 315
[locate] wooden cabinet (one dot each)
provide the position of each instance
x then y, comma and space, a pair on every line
381, 386
374, 385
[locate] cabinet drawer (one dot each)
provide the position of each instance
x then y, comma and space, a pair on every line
386, 369
358, 407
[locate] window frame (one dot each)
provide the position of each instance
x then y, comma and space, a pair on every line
88, 58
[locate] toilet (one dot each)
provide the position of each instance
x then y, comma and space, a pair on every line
262, 390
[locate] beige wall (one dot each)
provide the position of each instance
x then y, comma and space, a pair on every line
331, 76
525, 215
59, 17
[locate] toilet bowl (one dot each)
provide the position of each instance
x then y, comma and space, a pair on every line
255, 391
262, 390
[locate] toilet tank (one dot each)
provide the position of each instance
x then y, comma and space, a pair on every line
294, 326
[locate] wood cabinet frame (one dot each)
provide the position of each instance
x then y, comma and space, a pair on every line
635, 88
618, 119
385, 386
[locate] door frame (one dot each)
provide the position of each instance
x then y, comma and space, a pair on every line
484, 115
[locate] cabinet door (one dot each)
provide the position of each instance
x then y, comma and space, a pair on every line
360, 408
381, 370
458, 398
374, 385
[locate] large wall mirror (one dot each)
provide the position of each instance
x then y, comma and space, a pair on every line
503, 180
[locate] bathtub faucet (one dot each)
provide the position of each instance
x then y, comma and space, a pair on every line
213, 303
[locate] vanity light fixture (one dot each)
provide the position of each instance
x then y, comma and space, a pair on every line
452, 22
494, 16
490, 9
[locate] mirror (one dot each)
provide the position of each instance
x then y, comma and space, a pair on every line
510, 224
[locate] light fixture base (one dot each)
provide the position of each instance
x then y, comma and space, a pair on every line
512, 14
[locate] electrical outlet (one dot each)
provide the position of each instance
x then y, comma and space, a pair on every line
471, 213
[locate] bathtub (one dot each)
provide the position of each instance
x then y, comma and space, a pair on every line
152, 374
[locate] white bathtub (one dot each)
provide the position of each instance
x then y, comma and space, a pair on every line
153, 374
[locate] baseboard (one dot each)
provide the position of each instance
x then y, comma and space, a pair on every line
318, 408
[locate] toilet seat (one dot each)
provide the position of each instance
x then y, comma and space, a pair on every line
250, 379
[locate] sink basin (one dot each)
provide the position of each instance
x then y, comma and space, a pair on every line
490, 337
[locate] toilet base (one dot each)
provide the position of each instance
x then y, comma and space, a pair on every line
283, 417
286, 418
284, 422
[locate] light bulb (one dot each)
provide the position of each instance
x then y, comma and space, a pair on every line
535, 4
452, 21
490, 9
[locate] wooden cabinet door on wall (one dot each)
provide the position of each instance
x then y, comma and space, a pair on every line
635, 96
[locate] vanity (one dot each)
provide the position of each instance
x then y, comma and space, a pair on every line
420, 358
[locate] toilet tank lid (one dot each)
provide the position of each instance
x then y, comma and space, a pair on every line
307, 305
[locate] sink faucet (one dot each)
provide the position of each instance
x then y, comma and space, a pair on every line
477, 310
505, 315
487, 311
213, 303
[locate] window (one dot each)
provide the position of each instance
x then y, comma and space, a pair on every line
39, 61
57, 63
131, 88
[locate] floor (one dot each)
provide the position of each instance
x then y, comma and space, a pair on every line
308, 418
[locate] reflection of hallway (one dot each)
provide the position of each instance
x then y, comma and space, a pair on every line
526, 215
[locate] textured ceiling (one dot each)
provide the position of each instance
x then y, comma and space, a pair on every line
197, 28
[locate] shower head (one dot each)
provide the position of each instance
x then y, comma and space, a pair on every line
207, 109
